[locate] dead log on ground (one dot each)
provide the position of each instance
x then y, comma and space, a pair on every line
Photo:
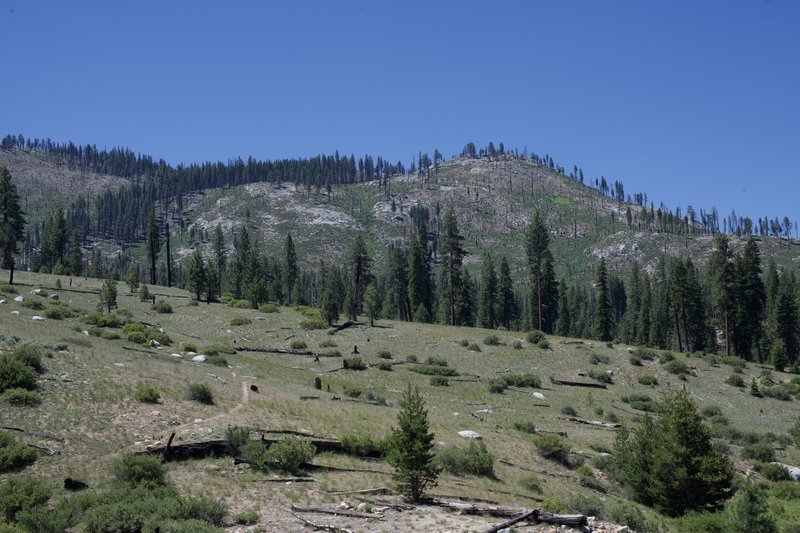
306, 434
282, 351
324, 527
471, 508
39, 434
218, 378
284, 480
608, 425
397, 506
309, 397
377, 490
526, 515
43, 449
579, 384
191, 450
572, 520
340, 512
349, 323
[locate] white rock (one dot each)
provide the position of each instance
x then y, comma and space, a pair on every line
344, 506
630, 350
36, 291
191, 354
199, 358
54, 296
538, 395
154, 343
470, 434
794, 472
176, 355
19, 299
3, 301
361, 507
37, 317
197, 420
14, 312
85, 332
487, 411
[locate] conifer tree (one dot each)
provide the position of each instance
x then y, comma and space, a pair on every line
360, 265
75, 256
488, 295
220, 255
372, 302
132, 278
153, 245
537, 241
750, 301
419, 278
452, 254
289, 266
397, 283
506, 303
197, 277
465, 300
643, 320
564, 322
720, 266
108, 294
12, 222
603, 314
787, 318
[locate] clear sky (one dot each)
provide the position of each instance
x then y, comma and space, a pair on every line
693, 102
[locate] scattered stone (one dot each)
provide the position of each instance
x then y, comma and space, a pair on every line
176, 355
37, 317
85, 332
199, 358
361, 507
154, 343
538, 395
3, 301
191, 354
197, 420
469, 434
36, 291
487, 411
14, 312
54, 296
630, 350
19, 299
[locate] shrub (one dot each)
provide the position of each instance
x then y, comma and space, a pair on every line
635, 360
291, 453
137, 337
711, 359
134, 469
434, 370
308, 312
217, 360
552, 447
385, 365
214, 350
530, 482
475, 460
779, 392
353, 391
438, 361
677, 367
411, 358
31, 355
463, 342
759, 451
543, 344
626, 514
586, 504
384, 354
642, 402
440, 381
794, 431
535, 336
146, 394
492, 340
602, 462
312, 324
144, 293
14, 456
710, 411
774, 472
34, 305
43, 520
474, 347
327, 343
354, 363
497, 386
54, 314
237, 437
22, 397
517, 345
665, 357
597, 359
101, 320
645, 354
269, 308
569, 411
247, 518
239, 304
736, 380
162, 307
14, 374
362, 445
298, 345
599, 375
240, 321
21, 493
525, 426
200, 392
648, 379
734, 361
523, 380
204, 509
189, 347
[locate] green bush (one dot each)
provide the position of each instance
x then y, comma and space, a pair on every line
736, 380
291, 453
54, 314
96, 318
353, 391
312, 324
146, 393
384, 354
463, 342
440, 381
531, 483
247, 518
665, 357
237, 437
217, 360
308, 312
255, 452
8, 289
492, 340
597, 359
543, 344
239, 304
627, 514
134, 469
794, 431
517, 345
434, 360
759, 451
269, 308
552, 447
13, 455
411, 358
523, 380
474, 347
586, 504
642, 402
635, 360
240, 321
734, 361
162, 307
385, 365
43, 520
525, 426
22, 397
354, 363
327, 343
205, 509
215, 349
645, 354
535, 336
137, 337
144, 293
189, 347
774, 472
778, 392
569, 411
474, 460
648, 379
497, 386
31, 355
362, 445
21, 493
298, 344
434, 370
599, 375
34, 305
201, 393
14, 374
677, 367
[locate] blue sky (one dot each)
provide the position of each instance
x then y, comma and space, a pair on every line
691, 102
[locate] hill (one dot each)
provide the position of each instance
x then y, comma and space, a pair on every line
91, 375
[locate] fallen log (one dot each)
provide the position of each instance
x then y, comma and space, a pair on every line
377, 490
526, 515
47, 451
609, 425
349, 323
397, 506
579, 384
34, 433
572, 520
471, 508
306, 434
339, 512
284, 480
282, 351
324, 527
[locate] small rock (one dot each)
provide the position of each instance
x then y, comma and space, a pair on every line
361, 507
37, 317
176, 355
538, 395
36, 291
154, 343
211, 467
3, 301
85, 332
630, 350
487, 411
155, 413
54, 297
14, 312
191, 354
19, 299
344, 506
197, 420
199, 358
469, 434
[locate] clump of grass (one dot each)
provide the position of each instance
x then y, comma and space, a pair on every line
240, 321
434, 360
201, 393
363, 445
642, 402
553, 447
217, 360
411, 358
353, 391
385, 365
648, 379
497, 386
33, 305
535, 336
517, 345
269, 308
354, 363
569, 411
677, 367
736, 380
602, 377
215, 349
385, 354
597, 359
54, 314
543, 344
298, 345
492, 340
162, 307
327, 343
525, 426
474, 347
645, 354
146, 393
474, 460
531, 483
463, 342
440, 381
22, 397
523, 380
247, 518
312, 324
434, 370
189, 347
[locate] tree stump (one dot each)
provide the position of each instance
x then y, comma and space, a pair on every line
318, 383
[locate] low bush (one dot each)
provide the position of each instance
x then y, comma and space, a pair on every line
130, 468
363, 445
385, 365
201, 393
635, 360
101, 320
774, 472
33, 305
327, 343
434, 370
642, 402
205, 509
269, 308
759, 451
711, 359
586, 504
627, 514
54, 314
569, 411
215, 349
525, 426
411, 358
239, 304
665, 357
434, 360
648, 379
710, 411
736, 380
31, 354
247, 518
353, 391
531, 483
601, 376
240, 321
217, 360
779, 392
291, 453
137, 337
354, 363
543, 344
22, 397
523, 380
517, 345
474, 347
298, 344
236, 437
162, 307
535, 336
308, 312
497, 386
492, 340
312, 324
602, 462
189, 347
384, 354
734, 361
553, 447
14, 374
440, 381
43, 520
474, 460
677, 367
597, 359
463, 342
645, 354
13, 455
146, 394
21, 493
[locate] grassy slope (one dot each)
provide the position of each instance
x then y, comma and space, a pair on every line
87, 397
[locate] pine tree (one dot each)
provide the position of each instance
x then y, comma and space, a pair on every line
220, 255
630, 323
721, 273
372, 303
537, 241
603, 313
411, 448
506, 303
644, 320
153, 245
132, 278
360, 264
748, 512
289, 266
196, 275
211, 282
108, 294
750, 299
787, 318
397, 283
564, 322
452, 254
488, 295
465, 300
12, 222
76, 257
419, 277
